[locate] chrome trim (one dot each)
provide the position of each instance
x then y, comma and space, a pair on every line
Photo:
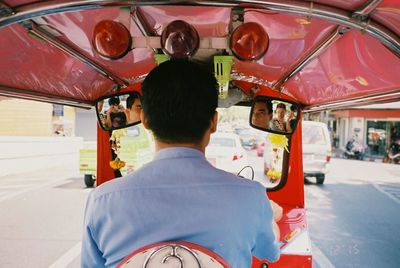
368, 7
36, 30
141, 22
137, 79
371, 99
37, 96
251, 79
336, 15
173, 254
315, 52
5, 10
234, 76
43, 8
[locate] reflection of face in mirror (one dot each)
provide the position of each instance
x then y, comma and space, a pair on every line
278, 123
292, 118
133, 108
274, 115
262, 113
118, 119
100, 105
115, 105
102, 115
114, 112
119, 111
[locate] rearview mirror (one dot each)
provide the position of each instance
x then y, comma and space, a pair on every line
274, 115
119, 111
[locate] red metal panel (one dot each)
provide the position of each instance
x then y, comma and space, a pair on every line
290, 261
388, 14
374, 113
104, 171
290, 37
292, 219
351, 5
349, 68
30, 63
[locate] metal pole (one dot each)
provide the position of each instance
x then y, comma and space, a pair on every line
48, 37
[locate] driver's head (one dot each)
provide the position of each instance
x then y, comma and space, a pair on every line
133, 107
262, 113
179, 101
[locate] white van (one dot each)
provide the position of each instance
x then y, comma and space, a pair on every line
317, 150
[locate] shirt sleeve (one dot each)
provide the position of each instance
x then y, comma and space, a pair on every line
91, 256
266, 248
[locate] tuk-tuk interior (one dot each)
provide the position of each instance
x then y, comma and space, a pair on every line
317, 54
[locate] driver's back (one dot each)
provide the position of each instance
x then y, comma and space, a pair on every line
179, 196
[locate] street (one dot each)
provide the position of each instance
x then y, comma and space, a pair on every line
353, 218
41, 218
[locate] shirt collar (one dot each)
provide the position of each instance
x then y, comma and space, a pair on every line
178, 152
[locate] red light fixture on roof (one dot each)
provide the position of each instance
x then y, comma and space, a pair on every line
180, 39
249, 41
111, 39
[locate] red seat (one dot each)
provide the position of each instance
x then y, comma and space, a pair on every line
173, 255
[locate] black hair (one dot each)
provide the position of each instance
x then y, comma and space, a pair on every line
179, 100
113, 101
281, 105
120, 116
268, 103
131, 100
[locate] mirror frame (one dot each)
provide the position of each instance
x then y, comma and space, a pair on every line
110, 96
267, 98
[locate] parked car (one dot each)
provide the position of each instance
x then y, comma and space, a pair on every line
226, 152
247, 138
317, 150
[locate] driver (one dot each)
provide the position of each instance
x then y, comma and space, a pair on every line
262, 114
133, 108
179, 196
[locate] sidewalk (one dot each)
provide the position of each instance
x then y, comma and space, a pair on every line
338, 153
26, 153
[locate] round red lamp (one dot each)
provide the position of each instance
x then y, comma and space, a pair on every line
180, 39
249, 42
111, 39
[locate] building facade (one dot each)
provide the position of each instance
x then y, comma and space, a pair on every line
20, 117
374, 126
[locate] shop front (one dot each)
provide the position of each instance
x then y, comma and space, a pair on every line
377, 127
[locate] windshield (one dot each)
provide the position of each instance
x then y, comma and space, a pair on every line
236, 145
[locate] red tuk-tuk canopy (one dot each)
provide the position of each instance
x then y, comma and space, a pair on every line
322, 53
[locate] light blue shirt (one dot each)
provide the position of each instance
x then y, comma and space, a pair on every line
178, 196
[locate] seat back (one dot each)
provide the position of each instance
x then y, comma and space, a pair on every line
173, 255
